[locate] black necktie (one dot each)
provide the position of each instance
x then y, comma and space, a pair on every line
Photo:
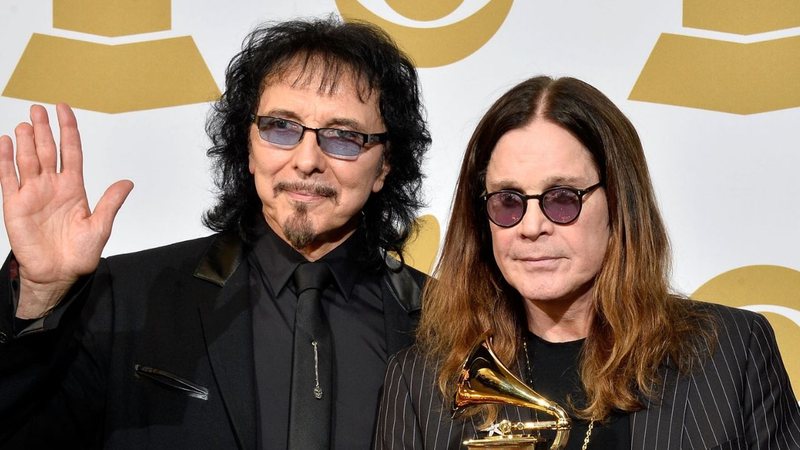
311, 399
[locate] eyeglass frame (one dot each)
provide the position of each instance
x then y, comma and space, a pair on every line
525, 197
370, 140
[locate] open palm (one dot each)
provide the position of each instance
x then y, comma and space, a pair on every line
53, 234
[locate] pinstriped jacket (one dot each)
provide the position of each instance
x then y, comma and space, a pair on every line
740, 398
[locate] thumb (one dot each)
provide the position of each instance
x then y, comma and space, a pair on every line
109, 204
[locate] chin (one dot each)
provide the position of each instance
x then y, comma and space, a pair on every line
567, 294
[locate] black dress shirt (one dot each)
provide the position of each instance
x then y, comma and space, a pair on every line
353, 305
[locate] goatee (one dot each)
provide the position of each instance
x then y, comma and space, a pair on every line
298, 228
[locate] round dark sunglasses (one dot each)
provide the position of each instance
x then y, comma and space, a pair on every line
338, 143
560, 204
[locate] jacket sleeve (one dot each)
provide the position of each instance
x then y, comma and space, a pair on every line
413, 414
38, 395
772, 414
398, 426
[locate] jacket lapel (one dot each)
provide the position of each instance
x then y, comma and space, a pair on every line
226, 317
401, 292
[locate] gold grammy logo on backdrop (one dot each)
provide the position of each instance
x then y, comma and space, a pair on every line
112, 78
423, 245
718, 75
771, 290
437, 46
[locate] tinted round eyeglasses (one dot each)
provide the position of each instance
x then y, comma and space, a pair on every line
560, 204
338, 143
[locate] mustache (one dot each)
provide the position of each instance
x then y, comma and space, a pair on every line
309, 188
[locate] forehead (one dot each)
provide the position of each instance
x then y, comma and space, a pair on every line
539, 155
308, 94
326, 75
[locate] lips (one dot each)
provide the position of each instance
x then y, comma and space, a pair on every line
303, 195
539, 262
536, 258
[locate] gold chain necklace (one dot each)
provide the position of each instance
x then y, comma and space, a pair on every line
529, 380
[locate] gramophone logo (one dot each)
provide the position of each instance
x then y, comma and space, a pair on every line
112, 78
755, 76
436, 45
771, 290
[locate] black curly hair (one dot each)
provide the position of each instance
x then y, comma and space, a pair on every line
328, 47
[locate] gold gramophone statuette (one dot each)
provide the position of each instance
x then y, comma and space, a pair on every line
484, 379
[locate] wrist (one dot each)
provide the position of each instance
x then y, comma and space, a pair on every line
37, 300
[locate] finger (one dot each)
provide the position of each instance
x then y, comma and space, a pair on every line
109, 204
8, 171
71, 152
43, 138
27, 161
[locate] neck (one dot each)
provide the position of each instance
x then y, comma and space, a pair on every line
322, 243
559, 320
321, 247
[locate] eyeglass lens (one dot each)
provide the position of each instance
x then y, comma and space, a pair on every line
559, 205
339, 143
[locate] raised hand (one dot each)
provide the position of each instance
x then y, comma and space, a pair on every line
54, 235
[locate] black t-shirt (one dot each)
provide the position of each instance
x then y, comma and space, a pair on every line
554, 375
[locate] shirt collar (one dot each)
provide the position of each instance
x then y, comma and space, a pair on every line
278, 260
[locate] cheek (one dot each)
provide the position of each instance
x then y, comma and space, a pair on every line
357, 181
600, 248
591, 239
592, 246
251, 143
602, 233
501, 242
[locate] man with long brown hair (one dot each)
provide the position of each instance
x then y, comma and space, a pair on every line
557, 246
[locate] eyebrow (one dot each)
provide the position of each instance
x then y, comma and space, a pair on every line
549, 182
563, 180
334, 122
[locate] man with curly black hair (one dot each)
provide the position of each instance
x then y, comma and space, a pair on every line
317, 142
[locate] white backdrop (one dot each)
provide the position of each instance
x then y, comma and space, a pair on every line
727, 183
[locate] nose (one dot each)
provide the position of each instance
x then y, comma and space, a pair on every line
534, 223
308, 157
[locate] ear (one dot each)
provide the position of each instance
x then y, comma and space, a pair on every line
383, 171
250, 162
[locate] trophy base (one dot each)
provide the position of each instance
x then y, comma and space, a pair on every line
507, 443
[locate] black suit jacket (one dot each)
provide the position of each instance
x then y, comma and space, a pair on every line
740, 398
163, 356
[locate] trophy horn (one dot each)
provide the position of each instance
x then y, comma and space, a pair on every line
483, 379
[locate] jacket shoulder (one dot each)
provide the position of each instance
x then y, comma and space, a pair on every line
729, 317
168, 252
213, 258
405, 284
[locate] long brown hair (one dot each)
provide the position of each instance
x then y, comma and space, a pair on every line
638, 324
